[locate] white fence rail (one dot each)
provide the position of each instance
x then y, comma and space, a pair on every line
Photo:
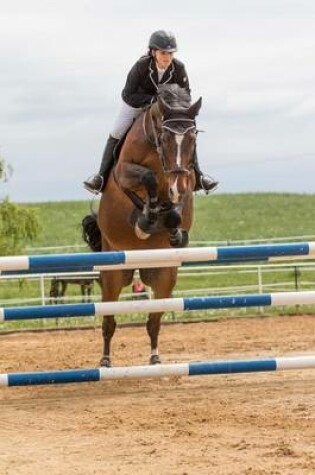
259, 270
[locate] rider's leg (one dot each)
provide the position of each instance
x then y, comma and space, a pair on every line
126, 116
97, 182
203, 182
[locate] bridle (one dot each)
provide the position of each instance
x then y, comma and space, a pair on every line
176, 125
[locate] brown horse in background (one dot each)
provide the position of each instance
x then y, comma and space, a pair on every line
148, 201
59, 285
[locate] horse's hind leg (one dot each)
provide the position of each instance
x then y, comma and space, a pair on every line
108, 330
82, 287
162, 282
153, 329
112, 283
63, 288
89, 289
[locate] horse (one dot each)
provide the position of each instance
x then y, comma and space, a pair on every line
147, 202
58, 287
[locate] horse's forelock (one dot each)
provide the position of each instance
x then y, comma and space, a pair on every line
175, 96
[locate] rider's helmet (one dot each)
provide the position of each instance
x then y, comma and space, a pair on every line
163, 41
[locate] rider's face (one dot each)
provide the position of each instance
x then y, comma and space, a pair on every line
163, 58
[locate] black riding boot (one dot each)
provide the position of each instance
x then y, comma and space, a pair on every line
203, 182
97, 182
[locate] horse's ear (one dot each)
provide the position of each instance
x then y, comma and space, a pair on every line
165, 109
195, 108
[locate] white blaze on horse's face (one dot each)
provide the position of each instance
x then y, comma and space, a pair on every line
179, 139
175, 194
178, 181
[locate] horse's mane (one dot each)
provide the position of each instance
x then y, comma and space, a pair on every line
174, 95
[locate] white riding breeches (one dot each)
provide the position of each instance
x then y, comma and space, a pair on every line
126, 115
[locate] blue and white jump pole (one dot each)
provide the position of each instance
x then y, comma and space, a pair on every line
88, 262
157, 371
160, 305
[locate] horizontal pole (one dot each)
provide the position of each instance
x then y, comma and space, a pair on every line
159, 305
144, 258
157, 371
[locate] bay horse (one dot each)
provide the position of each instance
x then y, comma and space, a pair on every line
147, 202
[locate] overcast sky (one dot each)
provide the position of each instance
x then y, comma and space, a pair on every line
64, 62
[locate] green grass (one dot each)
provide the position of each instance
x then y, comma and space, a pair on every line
60, 223
253, 216
217, 218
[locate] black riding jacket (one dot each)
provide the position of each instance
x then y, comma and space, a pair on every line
142, 81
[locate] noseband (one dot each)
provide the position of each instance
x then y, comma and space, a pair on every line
178, 126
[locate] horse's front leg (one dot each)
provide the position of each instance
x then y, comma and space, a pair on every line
132, 176
178, 237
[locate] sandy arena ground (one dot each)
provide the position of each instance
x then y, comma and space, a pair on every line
254, 424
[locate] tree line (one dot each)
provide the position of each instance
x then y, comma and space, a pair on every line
19, 224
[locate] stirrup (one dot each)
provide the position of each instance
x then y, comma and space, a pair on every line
214, 184
88, 184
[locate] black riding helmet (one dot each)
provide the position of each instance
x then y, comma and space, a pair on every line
163, 41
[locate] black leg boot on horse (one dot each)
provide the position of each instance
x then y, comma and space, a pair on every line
97, 182
203, 182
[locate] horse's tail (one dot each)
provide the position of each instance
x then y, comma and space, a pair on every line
91, 232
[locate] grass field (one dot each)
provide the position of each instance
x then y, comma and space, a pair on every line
217, 218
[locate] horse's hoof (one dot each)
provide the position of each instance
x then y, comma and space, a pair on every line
179, 239
172, 219
105, 362
185, 238
155, 359
142, 228
141, 234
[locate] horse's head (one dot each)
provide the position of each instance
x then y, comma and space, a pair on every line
177, 138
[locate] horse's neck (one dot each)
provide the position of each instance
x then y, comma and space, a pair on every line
154, 121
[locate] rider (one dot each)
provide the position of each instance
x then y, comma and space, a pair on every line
157, 67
